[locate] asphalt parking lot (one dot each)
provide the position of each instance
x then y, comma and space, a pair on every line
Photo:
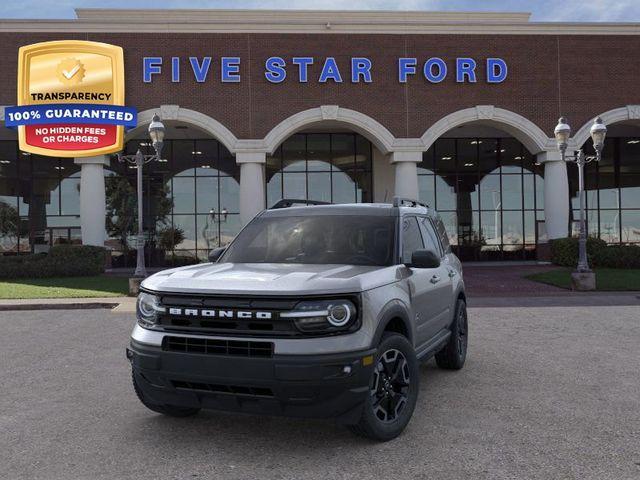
551, 392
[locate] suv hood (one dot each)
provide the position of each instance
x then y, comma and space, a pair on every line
270, 279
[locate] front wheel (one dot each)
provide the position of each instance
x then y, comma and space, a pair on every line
393, 390
454, 353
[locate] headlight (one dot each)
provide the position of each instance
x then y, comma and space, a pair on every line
323, 316
147, 309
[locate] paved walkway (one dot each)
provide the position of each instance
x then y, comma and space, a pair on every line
494, 285
507, 280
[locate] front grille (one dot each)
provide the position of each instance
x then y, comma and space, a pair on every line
210, 346
238, 316
274, 326
217, 388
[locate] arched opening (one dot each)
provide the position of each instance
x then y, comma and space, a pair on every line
39, 199
191, 198
329, 154
329, 164
488, 189
612, 186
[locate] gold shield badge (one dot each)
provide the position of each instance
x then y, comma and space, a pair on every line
73, 89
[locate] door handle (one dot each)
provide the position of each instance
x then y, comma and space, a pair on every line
435, 279
452, 273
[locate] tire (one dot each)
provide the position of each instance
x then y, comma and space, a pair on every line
454, 353
393, 390
169, 410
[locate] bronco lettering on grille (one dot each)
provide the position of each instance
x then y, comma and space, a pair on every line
239, 314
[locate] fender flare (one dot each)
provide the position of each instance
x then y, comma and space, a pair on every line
394, 309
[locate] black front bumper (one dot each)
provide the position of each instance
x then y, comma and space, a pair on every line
317, 386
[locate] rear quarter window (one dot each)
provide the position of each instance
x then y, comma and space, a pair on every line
442, 234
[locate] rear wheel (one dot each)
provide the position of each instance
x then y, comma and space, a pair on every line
454, 354
169, 410
393, 390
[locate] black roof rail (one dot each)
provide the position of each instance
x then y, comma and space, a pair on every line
292, 202
401, 201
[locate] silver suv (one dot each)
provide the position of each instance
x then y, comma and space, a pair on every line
315, 310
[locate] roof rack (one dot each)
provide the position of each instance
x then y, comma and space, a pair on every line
401, 201
292, 202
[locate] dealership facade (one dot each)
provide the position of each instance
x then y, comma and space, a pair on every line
456, 109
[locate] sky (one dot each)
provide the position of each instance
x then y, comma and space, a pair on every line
542, 10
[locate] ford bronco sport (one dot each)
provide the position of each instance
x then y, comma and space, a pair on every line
314, 310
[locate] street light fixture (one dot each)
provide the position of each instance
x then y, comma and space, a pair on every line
156, 133
562, 133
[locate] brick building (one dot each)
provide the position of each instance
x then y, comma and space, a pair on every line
457, 109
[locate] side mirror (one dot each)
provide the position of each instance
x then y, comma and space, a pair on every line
424, 259
216, 253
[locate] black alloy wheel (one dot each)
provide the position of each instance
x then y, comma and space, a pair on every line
393, 390
390, 387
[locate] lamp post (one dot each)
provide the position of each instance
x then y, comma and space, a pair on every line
562, 133
156, 133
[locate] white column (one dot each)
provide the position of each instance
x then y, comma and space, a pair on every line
252, 188
406, 170
93, 208
556, 194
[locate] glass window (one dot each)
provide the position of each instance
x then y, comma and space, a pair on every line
487, 156
630, 226
445, 194
342, 151
320, 186
206, 157
70, 196
445, 156
328, 167
429, 236
294, 154
207, 195
350, 240
609, 226
318, 151
630, 190
490, 197
426, 189
511, 155
629, 155
411, 238
512, 192
447, 229
183, 190
183, 155
467, 154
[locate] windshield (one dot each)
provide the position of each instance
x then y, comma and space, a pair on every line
319, 239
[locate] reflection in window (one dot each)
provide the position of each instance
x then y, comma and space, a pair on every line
612, 191
328, 167
489, 192
199, 181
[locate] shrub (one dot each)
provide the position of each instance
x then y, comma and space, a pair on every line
564, 252
61, 261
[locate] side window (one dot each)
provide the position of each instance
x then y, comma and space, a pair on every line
429, 236
442, 234
411, 238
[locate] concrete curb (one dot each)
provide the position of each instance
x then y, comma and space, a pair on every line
56, 306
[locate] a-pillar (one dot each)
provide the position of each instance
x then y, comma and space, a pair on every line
93, 208
406, 172
556, 194
252, 193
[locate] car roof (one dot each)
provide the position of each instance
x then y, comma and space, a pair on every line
370, 209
